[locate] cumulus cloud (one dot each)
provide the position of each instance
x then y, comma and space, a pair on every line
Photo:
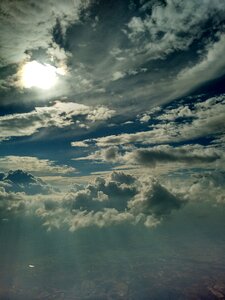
207, 186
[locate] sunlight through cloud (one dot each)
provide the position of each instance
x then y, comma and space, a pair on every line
43, 76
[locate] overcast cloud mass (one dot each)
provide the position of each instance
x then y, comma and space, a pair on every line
112, 149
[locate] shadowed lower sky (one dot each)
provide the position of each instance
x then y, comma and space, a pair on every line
112, 118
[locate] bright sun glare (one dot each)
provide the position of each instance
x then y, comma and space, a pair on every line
35, 74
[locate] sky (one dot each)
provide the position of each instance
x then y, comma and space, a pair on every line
112, 123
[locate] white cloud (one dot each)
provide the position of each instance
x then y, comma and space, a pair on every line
100, 114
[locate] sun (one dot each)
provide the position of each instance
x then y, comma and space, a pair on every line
35, 74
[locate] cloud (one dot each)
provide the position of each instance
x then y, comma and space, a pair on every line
79, 144
205, 118
30, 26
165, 154
172, 26
211, 66
19, 181
207, 187
118, 75
96, 61
39, 167
110, 154
119, 198
154, 200
60, 115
